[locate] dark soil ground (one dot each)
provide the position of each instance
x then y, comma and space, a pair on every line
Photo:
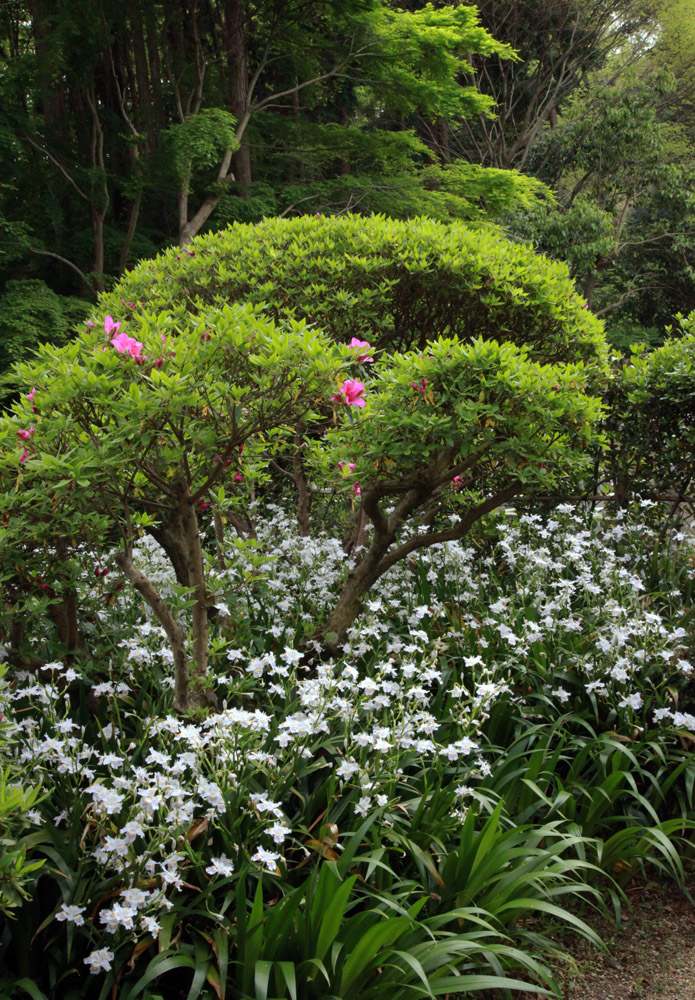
651, 956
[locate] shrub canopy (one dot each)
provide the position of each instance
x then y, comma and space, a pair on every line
396, 284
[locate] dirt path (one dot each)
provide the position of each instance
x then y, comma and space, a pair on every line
652, 956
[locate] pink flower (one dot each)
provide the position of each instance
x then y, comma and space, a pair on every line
350, 393
126, 345
357, 344
346, 465
111, 326
25, 456
26, 435
356, 489
238, 478
421, 387
30, 395
457, 481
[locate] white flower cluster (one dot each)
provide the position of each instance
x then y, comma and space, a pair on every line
418, 675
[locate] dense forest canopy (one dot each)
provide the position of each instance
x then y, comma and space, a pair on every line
126, 128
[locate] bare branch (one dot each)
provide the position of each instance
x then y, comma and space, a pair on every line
68, 263
61, 168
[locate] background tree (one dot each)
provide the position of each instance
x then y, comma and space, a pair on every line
625, 211
130, 128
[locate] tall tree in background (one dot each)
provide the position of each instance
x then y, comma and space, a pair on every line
132, 116
125, 128
560, 43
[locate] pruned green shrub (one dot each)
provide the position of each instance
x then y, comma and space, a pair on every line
395, 284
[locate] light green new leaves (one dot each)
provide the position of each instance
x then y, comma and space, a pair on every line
395, 284
483, 410
114, 431
424, 53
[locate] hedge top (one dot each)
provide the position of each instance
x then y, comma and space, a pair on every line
396, 284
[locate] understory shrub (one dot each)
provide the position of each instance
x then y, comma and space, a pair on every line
650, 421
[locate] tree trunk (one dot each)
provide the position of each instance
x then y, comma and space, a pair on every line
304, 494
200, 695
144, 587
235, 46
128, 238
360, 579
170, 535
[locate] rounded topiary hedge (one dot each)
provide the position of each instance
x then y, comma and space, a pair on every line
396, 284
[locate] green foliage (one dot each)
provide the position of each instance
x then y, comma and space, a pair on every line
581, 235
482, 411
16, 799
200, 141
331, 934
423, 54
651, 419
625, 212
198, 394
139, 444
394, 284
457, 191
125, 443
32, 314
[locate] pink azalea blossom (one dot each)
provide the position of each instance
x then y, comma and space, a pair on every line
346, 465
26, 435
350, 393
25, 456
127, 345
111, 326
357, 344
238, 478
421, 386
356, 489
457, 481
30, 395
